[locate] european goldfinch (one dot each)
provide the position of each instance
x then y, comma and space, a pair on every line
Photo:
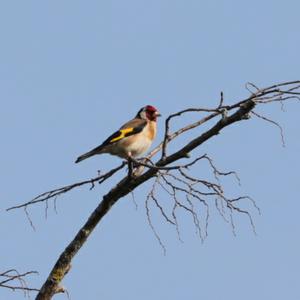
132, 139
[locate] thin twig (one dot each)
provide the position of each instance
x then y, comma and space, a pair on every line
272, 122
13, 280
62, 190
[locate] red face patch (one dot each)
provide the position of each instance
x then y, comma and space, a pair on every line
150, 109
151, 112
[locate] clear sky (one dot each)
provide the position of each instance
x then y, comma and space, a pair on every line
73, 71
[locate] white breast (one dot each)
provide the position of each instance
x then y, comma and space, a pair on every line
139, 146
134, 145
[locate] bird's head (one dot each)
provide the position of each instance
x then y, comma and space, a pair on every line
148, 113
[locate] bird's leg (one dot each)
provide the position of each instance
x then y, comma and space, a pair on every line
130, 165
135, 162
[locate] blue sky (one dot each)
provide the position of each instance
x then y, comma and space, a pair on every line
72, 71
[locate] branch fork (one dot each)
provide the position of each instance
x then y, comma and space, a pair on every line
185, 190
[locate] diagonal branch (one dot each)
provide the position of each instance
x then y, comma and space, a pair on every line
62, 190
185, 183
124, 187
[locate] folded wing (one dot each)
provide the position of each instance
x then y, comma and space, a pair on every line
132, 127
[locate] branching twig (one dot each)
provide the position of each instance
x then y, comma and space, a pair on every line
62, 190
169, 118
184, 188
272, 122
13, 280
157, 168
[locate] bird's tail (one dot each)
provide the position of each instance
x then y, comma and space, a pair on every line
84, 156
98, 150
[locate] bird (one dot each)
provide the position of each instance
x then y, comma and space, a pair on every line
133, 139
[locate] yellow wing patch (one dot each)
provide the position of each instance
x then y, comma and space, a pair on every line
122, 134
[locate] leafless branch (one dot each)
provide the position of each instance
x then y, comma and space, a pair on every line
157, 168
272, 122
62, 190
189, 193
13, 280
221, 100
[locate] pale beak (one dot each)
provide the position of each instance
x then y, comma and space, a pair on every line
157, 114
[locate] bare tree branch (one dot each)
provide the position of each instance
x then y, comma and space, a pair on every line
62, 190
13, 280
272, 122
184, 189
